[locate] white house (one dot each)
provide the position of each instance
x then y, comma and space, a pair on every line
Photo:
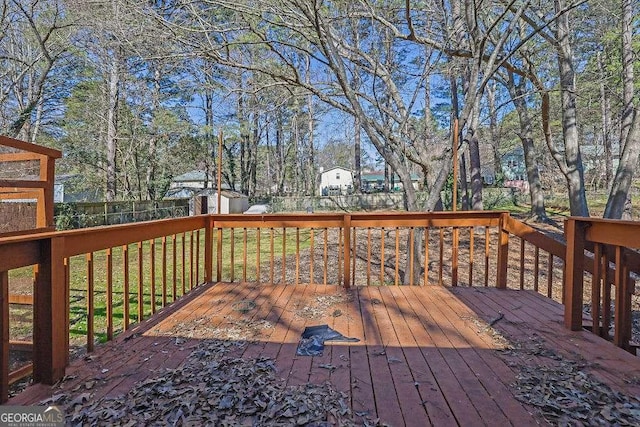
335, 180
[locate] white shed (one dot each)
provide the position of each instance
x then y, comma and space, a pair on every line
231, 202
336, 179
206, 200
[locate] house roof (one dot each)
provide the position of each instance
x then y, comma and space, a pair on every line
336, 167
194, 175
379, 176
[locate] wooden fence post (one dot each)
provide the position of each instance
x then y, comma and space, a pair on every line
574, 272
503, 253
51, 342
208, 249
347, 251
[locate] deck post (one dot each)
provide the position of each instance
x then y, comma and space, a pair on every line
50, 316
347, 251
4, 334
624, 290
503, 253
208, 249
574, 273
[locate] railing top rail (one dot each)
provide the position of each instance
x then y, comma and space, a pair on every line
392, 219
611, 232
98, 238
535, 237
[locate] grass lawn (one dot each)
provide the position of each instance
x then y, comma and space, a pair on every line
180, 277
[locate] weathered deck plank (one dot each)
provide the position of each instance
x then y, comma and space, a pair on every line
424, 357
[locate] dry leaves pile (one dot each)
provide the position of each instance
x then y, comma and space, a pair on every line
566, 395
206, 328
322, 305
211, 388
564, 391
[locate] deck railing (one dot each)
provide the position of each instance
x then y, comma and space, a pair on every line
96, 282
614, 265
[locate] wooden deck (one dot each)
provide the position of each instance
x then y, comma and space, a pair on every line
426, 355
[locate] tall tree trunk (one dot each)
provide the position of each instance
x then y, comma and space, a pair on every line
280, 151
538, 211
153, 140
575, 173
357, 179
493, 130
606, 120
474, 161
464, 189
311, 161
253, 154
630, 130
210, 162
113, 84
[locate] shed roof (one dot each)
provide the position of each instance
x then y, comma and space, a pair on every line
194, 175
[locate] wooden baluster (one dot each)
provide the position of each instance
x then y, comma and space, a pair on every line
487, 247
125, 268
184, 264
454, 256
471, 254
191, 260
536, 268
140, 283
232, 254
347, 251
174, 290
368, 256
219, 255
353, 244
208, 250
325, 255
411, 253
4, 331
164, 271
522, 266
606, 297
340, 265
382, 256
197, 281
426, 255
297, 256
440, 266
396, 279
67, 281
244, 255
90, 301
284, 256
596, 285
258, 233
550, 276
311, 256
152, 250
271, 253
109, 294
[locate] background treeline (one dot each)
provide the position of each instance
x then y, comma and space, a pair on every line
134, 93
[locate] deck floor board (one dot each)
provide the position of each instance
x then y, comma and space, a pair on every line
425, 355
